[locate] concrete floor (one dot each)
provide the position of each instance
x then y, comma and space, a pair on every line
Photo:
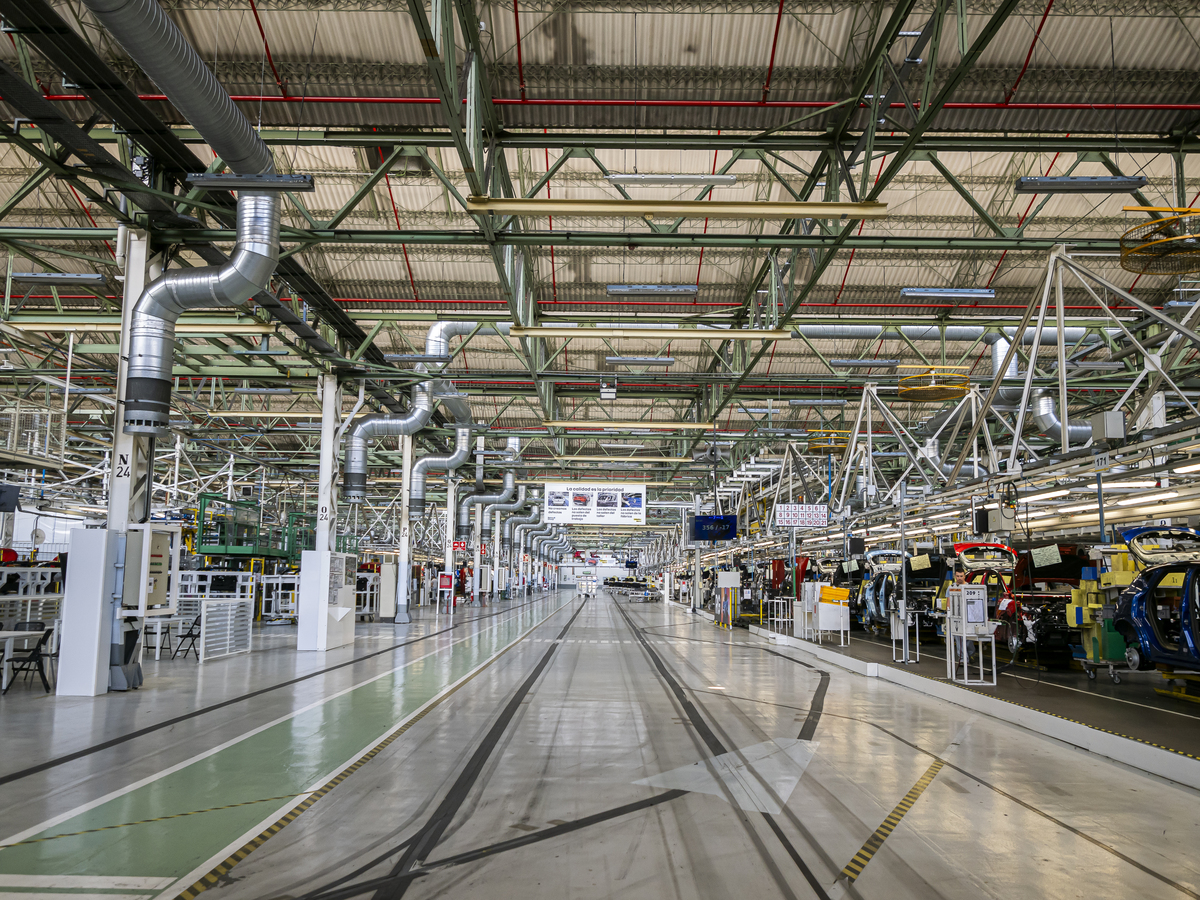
567, 749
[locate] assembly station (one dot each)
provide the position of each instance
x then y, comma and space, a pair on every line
599, 449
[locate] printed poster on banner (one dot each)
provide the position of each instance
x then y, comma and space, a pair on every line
801, 515
594, 504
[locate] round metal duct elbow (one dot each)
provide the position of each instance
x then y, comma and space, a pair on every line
157, 45
1045, 416
372, 428
152, 325
416, 495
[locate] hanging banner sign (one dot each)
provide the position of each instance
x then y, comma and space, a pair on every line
801, 515
594, 504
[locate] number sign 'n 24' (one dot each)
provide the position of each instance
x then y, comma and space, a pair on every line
801, 515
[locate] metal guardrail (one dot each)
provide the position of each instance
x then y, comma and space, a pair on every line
226, 627
32, 435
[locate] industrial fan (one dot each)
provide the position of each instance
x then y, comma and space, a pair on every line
933, 383
1165, 246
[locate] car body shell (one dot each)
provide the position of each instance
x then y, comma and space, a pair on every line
1162, 633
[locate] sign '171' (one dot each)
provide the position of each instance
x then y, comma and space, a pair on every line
801, 515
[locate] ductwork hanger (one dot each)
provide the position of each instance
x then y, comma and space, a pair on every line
267, 181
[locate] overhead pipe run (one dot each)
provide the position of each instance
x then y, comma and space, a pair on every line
953, 333
519, 522
416, 496
154, 42
463, 529
378, 100
1044, 406
371, 428
491, 509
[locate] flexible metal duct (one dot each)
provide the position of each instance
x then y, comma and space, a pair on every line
371, 428
1045, 416
462, 449
519, 522
476, 497
1045, 407
163, 53
491, 509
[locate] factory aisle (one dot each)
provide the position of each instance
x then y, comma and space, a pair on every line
594, 748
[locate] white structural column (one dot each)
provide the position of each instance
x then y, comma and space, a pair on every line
404, 576
497, 539
448, 565
125, 449
331, 409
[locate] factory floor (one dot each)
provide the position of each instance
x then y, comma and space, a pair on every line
562, 748
1133, 708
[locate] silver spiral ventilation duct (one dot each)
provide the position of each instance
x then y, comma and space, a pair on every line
371, 428
529, 534
164, 54
1044, 406
491, 509
474, 498
519, 522
416, 497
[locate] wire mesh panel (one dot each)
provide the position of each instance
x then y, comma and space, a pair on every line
32, 435
225, 628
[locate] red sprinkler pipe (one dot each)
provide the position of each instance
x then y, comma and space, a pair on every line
774, 44
1028, 56
674, 104
520, 62
267, 48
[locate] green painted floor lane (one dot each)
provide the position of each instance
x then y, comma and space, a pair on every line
285, 759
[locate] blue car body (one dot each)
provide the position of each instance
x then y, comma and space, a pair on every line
1162, 629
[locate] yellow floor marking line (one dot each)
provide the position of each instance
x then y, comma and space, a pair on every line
855, 867
219, 871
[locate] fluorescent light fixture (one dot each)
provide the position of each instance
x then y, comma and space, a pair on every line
214, 181
818, 402
672, 180
275, 390
1080, 184
640, 360
61, 279
1044, 495
1039, 514
622, 446
260, 352
864, 363
1080, 507
651, 290
1190, 467
946, 515
1148, 498
84, 390
415, 358
1131, 484
949, 293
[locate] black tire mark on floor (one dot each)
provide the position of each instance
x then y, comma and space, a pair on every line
428, 837
167, 723
411, 865
717, 748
